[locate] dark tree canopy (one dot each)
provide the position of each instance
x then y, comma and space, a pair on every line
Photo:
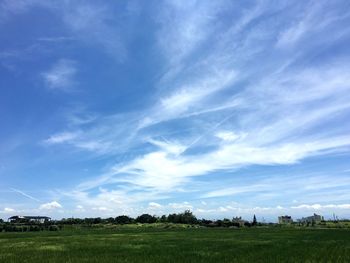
146, 218
254, 221
123, 220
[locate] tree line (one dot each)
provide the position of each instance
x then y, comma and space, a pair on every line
186, 217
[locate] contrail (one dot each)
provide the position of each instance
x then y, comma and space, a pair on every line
24, 194
206, 133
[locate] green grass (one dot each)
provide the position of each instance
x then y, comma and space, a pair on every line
177, 245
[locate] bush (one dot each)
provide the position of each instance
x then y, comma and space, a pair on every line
53, 228
247, 224
34, 228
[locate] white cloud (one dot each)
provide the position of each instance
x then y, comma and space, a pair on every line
102, 209
61, 138
320, 207
228, 135
315, 17
80, 208
8, 210
61, 75
50, 206
162, 171
188, 97
271, 115
184, 25
181, 206
236, 190
169, 147
222, 209
159, 171
96, 24
154, 205
81, 141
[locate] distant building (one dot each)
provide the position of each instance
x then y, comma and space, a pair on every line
239, 220
285, 220
315, 218
34, 219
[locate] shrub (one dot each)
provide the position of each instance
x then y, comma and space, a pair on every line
53, 228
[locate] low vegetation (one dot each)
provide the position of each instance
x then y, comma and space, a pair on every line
185, 219
127, 243
179, 220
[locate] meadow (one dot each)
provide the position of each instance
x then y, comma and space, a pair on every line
178, 245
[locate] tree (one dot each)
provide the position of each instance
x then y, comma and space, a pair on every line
183, 218
247, 224
97, 220
163, 219
123, 219
146, 218
254, 221
173, 218
187, 217
109, 220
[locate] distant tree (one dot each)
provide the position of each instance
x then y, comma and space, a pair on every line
187, 217
247, 224
219, 223
205, 222
146, 218
109, 220
163, 219
235, 224
53, 228
226, 222
88, 221
173, 218
183, 218
97, 220
123, 219
254, 221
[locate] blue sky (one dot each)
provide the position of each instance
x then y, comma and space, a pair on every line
227, 108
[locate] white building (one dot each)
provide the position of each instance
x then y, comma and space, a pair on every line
315, 218
285, 219
23, 219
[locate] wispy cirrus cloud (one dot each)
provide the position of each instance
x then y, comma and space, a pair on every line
92, 23
271, 142
61, 75
320, 207
184, 26
189, 97
85, 21
257, 96
61, 138
309, 23
24, 194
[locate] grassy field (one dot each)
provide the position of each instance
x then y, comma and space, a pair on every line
178, 245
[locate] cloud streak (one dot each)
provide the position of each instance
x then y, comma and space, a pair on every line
24, 194
61, 75
234, 87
